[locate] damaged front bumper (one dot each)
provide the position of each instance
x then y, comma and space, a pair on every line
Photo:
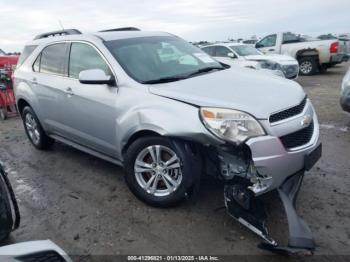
269, 165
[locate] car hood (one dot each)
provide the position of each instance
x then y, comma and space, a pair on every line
282, 59
238, 88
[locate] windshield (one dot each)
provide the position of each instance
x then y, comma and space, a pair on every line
244, 50
148, 59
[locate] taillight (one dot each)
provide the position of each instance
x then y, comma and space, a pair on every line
334, 47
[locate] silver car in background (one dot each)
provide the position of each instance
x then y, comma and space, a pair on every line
250, 57
168, 117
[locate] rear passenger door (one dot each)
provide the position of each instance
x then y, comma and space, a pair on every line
50, 70
89, 110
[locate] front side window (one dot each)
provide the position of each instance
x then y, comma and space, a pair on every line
222, 51
244, 50
210, 50
150, 59
54, 59
268, 41
85, 57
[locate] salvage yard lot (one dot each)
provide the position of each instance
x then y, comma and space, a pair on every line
83, 205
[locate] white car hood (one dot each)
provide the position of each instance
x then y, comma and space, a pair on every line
281, 59
255, 92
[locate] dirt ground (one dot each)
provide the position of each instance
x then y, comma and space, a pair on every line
83, 205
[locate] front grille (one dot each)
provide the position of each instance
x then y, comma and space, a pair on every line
293, 111
299, 138
290, 71
44, 256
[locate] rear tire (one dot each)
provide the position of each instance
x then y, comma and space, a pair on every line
34, 130
162, 181
307, 65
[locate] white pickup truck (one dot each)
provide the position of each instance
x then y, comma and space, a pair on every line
312, 56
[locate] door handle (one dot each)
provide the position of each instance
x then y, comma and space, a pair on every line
69, 91
271, 49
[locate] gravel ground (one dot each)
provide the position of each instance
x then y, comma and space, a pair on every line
82, 203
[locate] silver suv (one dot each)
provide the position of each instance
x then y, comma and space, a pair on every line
165, 111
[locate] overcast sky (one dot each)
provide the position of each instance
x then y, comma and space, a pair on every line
193, 20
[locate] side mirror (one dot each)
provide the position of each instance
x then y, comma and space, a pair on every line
257, 45
232, 55
95, 77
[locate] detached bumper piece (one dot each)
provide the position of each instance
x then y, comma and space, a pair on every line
9, 212
249, 210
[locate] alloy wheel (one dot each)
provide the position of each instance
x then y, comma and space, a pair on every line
306, 67
158, 170
32, 128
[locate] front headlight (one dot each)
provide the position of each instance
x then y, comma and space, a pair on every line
231, 125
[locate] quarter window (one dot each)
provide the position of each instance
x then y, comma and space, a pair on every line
36, 66
54, 59
25, 54
85, 57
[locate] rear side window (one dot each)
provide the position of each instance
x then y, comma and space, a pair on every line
26, 53
85, 57
54, 59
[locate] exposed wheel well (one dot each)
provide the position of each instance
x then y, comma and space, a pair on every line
21, 105
308, 53
137, 135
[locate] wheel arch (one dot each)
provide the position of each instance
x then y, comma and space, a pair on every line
307, 52
137, 135
21, 104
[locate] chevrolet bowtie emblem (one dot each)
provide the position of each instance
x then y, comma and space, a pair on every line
307, 119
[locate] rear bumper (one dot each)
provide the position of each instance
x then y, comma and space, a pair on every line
337, 58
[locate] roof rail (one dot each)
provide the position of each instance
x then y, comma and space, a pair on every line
121, 29
58, 33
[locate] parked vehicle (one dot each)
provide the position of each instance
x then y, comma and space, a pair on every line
345, 92
312, 56
9, 212
250, 57
7, 98
33, 251
345, 40
117, 95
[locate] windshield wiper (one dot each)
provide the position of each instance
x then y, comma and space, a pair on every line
164, 80
177, 78
204, 70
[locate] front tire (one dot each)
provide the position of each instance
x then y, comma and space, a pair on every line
160, 171
34, 130
307, 66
